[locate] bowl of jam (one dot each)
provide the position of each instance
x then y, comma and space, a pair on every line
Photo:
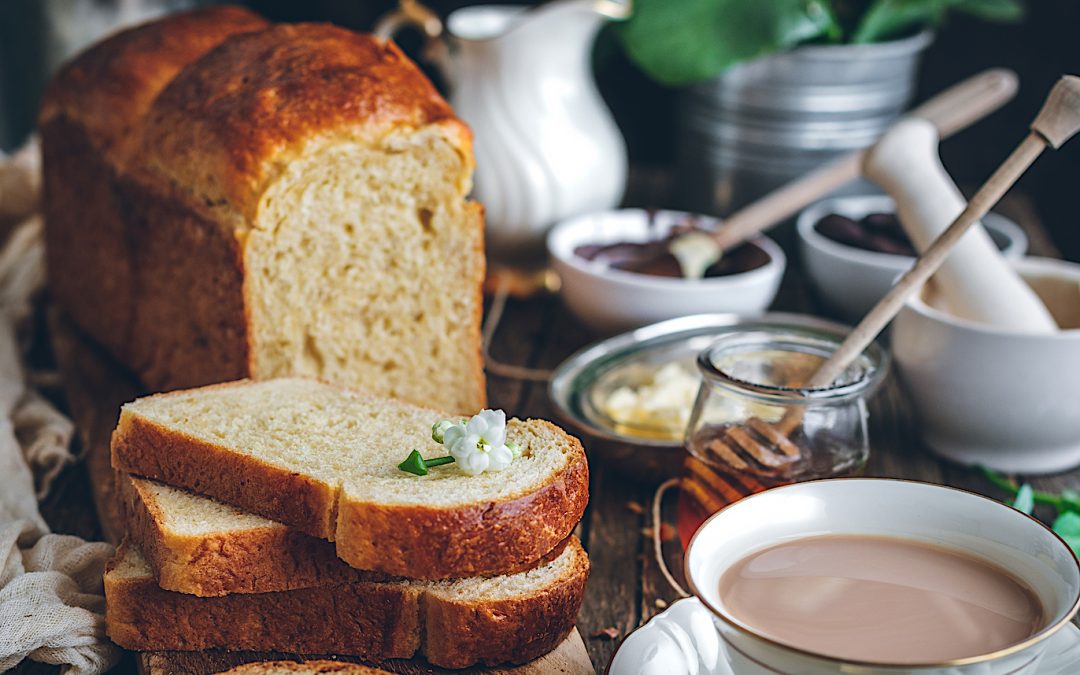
854, 249
617, 271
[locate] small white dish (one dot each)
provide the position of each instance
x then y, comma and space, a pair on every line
1006, 400
681, 640
937, 515
610, 300
850, 280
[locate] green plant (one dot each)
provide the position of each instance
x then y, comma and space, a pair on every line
681, 41
1024, 498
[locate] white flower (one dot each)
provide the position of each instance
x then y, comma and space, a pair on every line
479, 444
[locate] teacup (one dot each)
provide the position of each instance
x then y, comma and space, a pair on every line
942, 516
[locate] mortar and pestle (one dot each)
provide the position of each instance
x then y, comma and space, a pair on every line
989, 350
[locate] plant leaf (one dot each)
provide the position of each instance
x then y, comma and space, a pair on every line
1069, 501
682, 41
1067, 525
1004, 11
1025, 499
889, 18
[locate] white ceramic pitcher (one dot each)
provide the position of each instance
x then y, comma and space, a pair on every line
546, 146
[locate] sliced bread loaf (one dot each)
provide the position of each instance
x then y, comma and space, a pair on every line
454, 624
228, 198
324, 460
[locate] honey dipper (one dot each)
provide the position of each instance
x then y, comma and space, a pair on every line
1056, 123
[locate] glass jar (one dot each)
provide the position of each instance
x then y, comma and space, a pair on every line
754, 426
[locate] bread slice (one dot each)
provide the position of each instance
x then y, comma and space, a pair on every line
308, 667
324, 460
203, 547
454, 623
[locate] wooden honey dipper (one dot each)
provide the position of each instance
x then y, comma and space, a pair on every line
1056, 123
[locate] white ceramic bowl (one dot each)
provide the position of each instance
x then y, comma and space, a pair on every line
849, 280
1007, 400
610, 300
930, 513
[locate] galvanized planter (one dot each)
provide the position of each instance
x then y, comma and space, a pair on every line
765, 122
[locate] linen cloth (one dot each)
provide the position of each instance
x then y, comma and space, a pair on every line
51, 598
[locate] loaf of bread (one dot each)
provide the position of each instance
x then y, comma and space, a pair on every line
454, 624
324, 460
226, 199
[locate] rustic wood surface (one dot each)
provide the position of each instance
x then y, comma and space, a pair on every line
625, 588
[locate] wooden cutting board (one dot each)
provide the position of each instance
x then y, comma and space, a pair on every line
96, 387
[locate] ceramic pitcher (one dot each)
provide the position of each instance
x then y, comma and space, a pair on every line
546, 145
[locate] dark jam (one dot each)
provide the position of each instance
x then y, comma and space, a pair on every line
877, 232
654, 258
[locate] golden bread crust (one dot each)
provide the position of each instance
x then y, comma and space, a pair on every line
226, 126
107, 89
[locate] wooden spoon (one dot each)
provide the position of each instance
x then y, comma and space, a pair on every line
950, 111
1056, 123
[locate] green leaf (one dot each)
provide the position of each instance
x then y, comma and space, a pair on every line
887, 19
1067, 525
1004, 11
1025, 499
682, 41
414, 464
1070, 500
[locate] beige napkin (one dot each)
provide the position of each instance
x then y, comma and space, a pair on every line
51, 599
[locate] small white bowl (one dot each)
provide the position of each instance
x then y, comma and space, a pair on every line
1007, 400
850, 280
610, 300
938, 515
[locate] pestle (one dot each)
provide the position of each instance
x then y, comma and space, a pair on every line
975, 281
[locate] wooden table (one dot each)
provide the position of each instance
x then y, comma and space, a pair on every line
626, 588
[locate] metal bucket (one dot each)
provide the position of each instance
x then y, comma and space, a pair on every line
766, 122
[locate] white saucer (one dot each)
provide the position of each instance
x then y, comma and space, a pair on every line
683, 641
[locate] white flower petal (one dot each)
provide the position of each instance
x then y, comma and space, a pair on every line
477, 424
495, 433
474, 464
465, 447
453, 434
500, 458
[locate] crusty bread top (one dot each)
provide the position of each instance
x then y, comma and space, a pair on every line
349, 441
108, 88
229, 123
289, 667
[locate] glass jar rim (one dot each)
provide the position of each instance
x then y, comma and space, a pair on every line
875, 359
